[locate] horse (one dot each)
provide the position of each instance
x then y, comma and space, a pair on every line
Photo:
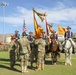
54, 49
68, 48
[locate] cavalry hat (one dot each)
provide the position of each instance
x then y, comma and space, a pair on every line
24, 34
30, 32
68, 27
16, 31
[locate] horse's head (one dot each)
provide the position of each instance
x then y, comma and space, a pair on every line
67, 44
54, 45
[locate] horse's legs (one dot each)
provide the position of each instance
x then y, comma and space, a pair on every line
54, 58
70, 59
66, 58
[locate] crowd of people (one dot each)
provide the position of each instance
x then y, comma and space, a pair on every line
28, 46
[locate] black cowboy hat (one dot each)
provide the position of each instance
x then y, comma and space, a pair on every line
68, 27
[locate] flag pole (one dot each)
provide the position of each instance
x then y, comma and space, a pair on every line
48, 36
33, 20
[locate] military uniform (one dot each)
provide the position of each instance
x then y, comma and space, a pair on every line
30, 38
25, 48
41, 52
34, 53
17, 51
12, 48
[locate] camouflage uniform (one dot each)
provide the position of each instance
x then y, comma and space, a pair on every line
17, 51
41, 52
12, 48
24, 50
34, 53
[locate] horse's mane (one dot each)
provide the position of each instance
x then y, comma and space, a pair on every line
67, 43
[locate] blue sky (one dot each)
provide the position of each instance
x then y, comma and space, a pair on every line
59, 12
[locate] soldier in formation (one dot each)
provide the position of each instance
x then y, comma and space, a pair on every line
12, 48
24, 53
34, 53
41, 52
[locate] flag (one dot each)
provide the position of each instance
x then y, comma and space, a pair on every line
40, 15
24, 27
37, 29
50, 28
48, 32
40, 28
61, 30
47, 28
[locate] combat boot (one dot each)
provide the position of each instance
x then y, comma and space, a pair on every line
31, 64
25, 69
39, 67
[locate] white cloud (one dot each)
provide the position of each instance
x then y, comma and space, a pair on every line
55, 15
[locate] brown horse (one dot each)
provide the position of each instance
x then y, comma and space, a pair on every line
54, 49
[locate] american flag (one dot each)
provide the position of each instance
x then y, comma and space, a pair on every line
24, 27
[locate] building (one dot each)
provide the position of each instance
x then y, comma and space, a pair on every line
7, 38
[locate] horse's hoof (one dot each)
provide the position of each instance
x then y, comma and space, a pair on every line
22, 71
65, 64
70, 64
54, 63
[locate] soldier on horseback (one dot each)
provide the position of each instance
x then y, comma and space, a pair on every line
54, 47
69, 35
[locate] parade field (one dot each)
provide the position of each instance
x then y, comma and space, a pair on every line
59, 69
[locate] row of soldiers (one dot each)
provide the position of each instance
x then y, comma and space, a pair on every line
24, 48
